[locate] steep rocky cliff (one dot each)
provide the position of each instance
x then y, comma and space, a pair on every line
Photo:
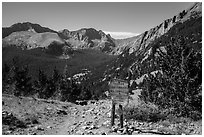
139, 53
140, 42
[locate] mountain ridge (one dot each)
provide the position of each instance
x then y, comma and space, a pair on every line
141, 41
85, 38
141, 50
88, 38
24, 27
80, 39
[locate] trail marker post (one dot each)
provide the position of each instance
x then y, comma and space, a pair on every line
113, 113
121, 115
119, 91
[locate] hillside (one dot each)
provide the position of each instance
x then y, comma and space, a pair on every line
47, 59
30, 39
29, 36
139, 59
140, 42
88, 38
24, 27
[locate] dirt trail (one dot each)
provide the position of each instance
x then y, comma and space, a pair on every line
64, 118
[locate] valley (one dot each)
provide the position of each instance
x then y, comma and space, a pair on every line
57, 82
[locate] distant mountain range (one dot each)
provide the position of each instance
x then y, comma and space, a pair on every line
34, 35
129, 52
29, 36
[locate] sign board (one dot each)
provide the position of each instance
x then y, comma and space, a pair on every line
119, 90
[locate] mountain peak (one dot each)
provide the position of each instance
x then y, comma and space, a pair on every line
25, 26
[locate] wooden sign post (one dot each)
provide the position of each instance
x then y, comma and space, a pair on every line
119, 93
113, 114
121, 115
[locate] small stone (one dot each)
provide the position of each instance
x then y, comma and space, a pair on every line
118, 131
135, 133
109, 114
49, 108
121, 129
103, 133
191, 124
90, 132
95, 117
125, 123
72, 130
93, 127
39, 128
8, 132
125, 131
114, 129
106, 122
129, 131
79, 132
131, 127
61, 112
49, 127
85, 127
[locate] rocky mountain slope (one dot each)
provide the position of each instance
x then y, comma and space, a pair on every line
29, 36
30, 39
141, 49
88, 38
140, 42
24, 27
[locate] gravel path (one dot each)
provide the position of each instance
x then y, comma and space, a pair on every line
64, 118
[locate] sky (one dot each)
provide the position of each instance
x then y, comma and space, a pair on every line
119, 19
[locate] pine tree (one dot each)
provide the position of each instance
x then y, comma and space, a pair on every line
41, 83
178, 88
5, 77
22, 81
65, 85
52, 84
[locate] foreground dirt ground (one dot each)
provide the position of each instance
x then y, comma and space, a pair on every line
48, 117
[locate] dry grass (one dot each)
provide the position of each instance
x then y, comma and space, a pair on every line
144, 112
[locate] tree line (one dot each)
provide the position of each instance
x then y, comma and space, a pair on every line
178, 88
16, 80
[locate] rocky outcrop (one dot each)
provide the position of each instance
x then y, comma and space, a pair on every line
88, 38
141, 41
139, 52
